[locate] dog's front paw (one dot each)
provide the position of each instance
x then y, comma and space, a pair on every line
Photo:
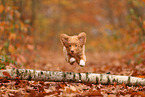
82, 63
72, 60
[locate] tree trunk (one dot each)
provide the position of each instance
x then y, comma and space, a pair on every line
56, 76
34, 2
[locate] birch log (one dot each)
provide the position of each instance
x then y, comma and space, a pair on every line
56, 76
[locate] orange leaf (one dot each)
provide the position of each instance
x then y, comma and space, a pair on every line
7, 74
143, 1
17, 14
1, 78
1, 48
144, 24
11, 48
115, 84
1, 8
17, 26
92, 93
62, 85
17, 78
12, 36
30, 47
140, 76
21, 59
139, 93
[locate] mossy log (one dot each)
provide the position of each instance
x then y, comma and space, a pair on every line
58, 76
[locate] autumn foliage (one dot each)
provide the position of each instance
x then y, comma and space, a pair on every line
29, 38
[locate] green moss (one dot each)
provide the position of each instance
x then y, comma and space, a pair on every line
108, 82
26, 71
101, 77
41, 73
80, 76
2, 66
74, 77
128, 81
97, 80
69, 73
136, 83
50, 73
29, 77
64, 75
17, 72
87, 78
114, 80
34, 72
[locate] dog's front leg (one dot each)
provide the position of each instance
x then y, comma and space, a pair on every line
82, 60
72, 60
66, 54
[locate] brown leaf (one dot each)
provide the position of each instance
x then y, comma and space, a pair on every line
140, 76
115, 84
17, 14
92, 93
1, 78
12, 36
139, 93
7, 74
32, 93
11, 48
1, 8
40, 94
73, 88
21, 59
30, 47
62, 85
144, 24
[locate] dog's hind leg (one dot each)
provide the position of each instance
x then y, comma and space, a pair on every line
65, 53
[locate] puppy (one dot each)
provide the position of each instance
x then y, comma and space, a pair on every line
74, 48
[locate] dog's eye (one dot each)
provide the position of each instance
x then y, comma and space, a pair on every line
69, 45
75, 45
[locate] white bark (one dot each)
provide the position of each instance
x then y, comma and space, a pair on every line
55, 76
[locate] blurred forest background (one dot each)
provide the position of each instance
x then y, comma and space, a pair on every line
31, 27
29, 39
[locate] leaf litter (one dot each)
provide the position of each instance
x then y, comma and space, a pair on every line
112, 63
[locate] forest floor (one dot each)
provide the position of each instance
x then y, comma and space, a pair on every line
100, 62
97, 62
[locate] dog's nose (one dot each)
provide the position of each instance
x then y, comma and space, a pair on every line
72, 51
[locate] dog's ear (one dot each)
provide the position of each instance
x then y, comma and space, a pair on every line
82, 38
64, 39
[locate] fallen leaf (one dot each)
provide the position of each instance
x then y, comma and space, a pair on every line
1, 8
12, 36
11, 48
139, 93
92, 93
73, 88
21, 59
144, 24
30, 47
7, 74
140, 76
17, 14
